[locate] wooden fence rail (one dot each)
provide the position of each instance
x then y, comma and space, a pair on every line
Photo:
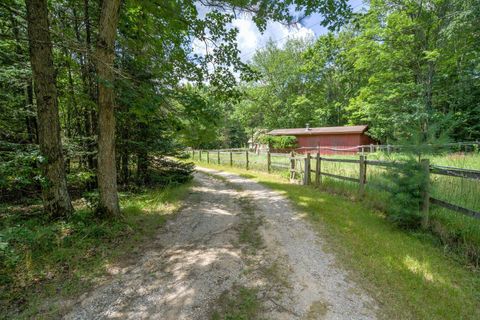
454, 207
456, 172
295, 162
382, 163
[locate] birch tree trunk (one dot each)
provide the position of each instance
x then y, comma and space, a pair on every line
104, 57
56, 199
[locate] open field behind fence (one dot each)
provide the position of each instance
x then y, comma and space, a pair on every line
455, 188
451, 205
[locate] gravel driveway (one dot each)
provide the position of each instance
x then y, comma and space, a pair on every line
208, 249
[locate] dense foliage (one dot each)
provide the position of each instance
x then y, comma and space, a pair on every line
399, 67
166, 95
280, 142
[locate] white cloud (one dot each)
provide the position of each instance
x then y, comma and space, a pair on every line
251, 39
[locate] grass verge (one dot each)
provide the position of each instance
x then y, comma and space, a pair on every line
248, 227
41, 259
407, 273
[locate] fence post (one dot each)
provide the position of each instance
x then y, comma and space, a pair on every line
306, 174
269, 162
200, 155
208, 156
218, 157
425, 163
318, 170
292, 166
371, 148
231, 159
363, 176
246, 159
193, 154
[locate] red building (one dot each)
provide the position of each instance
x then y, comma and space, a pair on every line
328, 140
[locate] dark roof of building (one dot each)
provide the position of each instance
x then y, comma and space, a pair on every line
318, 131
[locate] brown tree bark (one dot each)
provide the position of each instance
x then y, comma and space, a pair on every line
87, 69
124, 153
104, 58
125, 171
56, 199
90, 69
142, 167
30, 121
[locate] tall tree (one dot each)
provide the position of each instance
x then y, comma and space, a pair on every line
56, 199
105, 55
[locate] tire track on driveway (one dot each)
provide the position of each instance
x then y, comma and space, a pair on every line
320, 289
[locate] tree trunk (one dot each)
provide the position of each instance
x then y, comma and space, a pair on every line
31, 121
92, 85
87, 69
105, 54
72, 106
56, 199
125, 172
142, 167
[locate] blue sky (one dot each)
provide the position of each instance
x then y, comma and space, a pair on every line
313, 22
250, 39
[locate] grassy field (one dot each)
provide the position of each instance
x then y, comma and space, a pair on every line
470, 160
44, 265
409, 273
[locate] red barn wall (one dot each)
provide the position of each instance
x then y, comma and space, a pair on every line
340, 141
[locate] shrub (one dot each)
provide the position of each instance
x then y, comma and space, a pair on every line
164, 171
281, 142
407, 182
19, 169
183, 155
80, 178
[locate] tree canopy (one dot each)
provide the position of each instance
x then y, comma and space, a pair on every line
399, 66
124, 85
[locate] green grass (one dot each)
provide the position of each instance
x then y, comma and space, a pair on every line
466, 160
408, 273
239, 303
44, 262
459, 160
248, 227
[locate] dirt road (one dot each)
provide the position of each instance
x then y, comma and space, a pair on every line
234, 236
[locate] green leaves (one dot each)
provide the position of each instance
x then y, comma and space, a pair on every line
19, 169
281, 142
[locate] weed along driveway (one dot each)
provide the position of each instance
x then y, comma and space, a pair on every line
236, 250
